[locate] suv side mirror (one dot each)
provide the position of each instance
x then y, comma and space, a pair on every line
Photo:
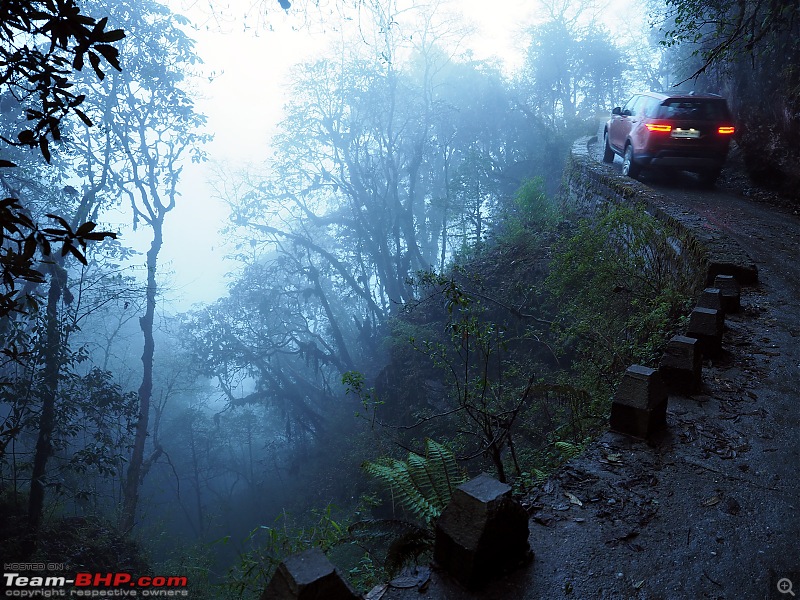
617, 111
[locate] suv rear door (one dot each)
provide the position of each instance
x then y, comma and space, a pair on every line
621, 124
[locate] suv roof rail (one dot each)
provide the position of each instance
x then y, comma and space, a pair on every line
696, 93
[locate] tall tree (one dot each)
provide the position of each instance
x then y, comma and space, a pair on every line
377, 164
571, 72
41, 45
38, 82
153, 120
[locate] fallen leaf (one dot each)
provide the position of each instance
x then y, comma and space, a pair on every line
404, 582
573, 499
418, 578
711, 501
377, 592
628, 536
731, 506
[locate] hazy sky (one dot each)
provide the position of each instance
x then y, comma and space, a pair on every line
250, 62
250, 56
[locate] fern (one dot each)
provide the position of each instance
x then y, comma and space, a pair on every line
423, 485
568, 449
538, 475
447, 475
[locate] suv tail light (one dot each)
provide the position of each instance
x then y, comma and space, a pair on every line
726, 130
662, 128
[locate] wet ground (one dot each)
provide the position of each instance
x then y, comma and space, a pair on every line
712, 508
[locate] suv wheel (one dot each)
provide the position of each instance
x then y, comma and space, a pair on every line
629, 167
608, 153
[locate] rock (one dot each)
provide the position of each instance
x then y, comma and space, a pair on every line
482, 533
706, 326
681, 364
730, 290
710, 298
639, 408
308, 576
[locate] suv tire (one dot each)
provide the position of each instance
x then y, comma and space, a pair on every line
608, 153
629, 167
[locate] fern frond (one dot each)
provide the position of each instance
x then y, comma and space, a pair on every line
568, 449
396, 476
420, 471
538, 474
445, 473
422, 485
407, 547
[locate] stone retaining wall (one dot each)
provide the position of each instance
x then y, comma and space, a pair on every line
640, 402
589, 183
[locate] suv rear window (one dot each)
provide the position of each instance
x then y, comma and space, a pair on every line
687, 108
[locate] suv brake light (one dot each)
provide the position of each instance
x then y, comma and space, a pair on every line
662, 128
726, 130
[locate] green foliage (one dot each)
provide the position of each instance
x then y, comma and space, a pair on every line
621, 286
488, 385
367, 549
387, 545
570, 71
36, 72
36, 77
196, 562
533, 204
269, 545
92, 426
24, 242
355, 383
421, 484
724, 31
531, 211
91, 542
414, 542
529, 479
568, 449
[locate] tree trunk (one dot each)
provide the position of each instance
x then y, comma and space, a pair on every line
496, 454
334, 323
198, 496
133, 479
52, 367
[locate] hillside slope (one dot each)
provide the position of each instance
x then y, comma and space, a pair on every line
710, 509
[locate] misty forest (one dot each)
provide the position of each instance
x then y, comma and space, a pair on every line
407, 289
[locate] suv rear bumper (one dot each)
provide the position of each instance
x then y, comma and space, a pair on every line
686, 162
689, 163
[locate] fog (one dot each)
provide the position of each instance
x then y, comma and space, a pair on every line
259, 263
243, 99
